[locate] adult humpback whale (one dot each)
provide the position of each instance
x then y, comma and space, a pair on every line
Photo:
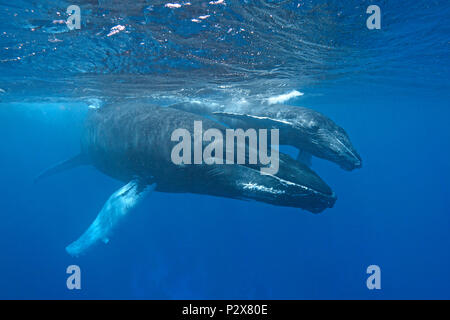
132, 143
309, 131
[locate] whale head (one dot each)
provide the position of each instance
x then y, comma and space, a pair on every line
336, 146
322, 137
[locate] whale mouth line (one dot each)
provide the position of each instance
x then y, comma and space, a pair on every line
349, 151
286, 182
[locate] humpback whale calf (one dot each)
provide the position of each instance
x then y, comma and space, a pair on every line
309, 131
132, 143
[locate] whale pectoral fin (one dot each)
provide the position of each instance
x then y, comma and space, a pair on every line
119, 204
74, 162
304, 157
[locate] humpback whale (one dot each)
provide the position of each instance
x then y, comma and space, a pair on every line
132, 143
309, 131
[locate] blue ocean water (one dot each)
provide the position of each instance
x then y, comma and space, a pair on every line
389, 89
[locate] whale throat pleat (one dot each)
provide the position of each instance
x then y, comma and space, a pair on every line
116, 208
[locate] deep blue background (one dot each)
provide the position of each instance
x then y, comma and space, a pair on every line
394, 212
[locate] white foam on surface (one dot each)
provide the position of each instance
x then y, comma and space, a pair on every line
284, 97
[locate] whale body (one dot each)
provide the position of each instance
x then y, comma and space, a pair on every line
132, 143
311, 132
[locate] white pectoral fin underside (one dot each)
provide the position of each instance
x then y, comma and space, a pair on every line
119, 204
